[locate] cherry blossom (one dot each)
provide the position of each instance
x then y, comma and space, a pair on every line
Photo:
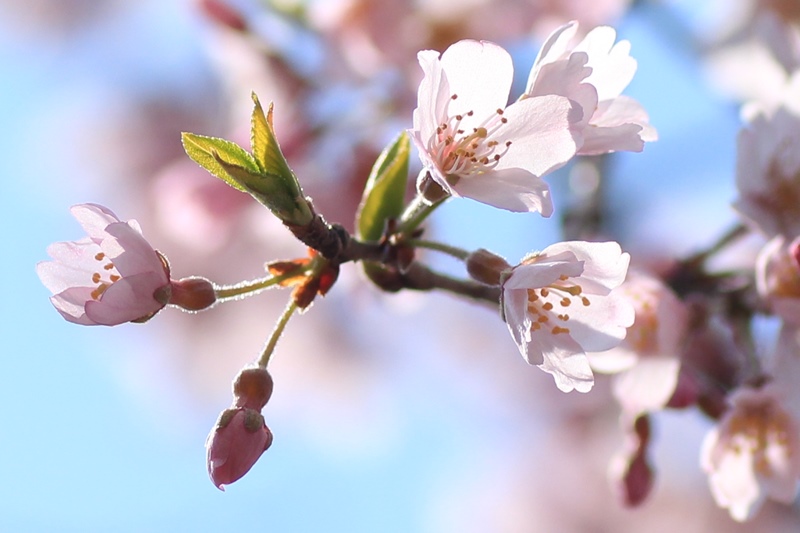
593, 73
560, 303
754, 451
235, 444
647, 362
110, 277
240, 435
768, 172
472, 145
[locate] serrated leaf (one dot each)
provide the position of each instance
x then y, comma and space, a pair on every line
266, 150
214, 155
384, 192
259, 132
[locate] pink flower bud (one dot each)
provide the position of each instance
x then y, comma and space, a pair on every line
630, 469
235, 444
252, 388
192, 294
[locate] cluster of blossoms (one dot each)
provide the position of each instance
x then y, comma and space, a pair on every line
573, 308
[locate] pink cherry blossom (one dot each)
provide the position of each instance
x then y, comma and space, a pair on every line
474, 146
647, 363
754, 452
560, 303
593, 73
778, 278
768, 173
110, 277
235, 444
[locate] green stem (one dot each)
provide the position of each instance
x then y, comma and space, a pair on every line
458, 253
416, 212
248, 288
276, 333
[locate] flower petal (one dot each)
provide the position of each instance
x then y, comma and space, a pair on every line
480, 74
513, 189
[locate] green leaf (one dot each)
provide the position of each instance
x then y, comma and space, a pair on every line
219, 156
260, 130
384, 192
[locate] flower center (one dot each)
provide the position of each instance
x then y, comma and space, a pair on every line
764, 431
460, 152
105, 278
548, 305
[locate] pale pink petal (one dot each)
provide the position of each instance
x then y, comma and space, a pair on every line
562, 358
70, 303
648, 385
543, 272
731, 479
602, 324
539, 130
605, 264
565, 78
515, 305
618, 124
128, 299
94, 219
131, 253
480, 74
553, 49
513, 189
433, 95
612, 66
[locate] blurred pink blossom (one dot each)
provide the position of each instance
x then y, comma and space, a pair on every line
110, 277
593, 73
768, 172
754, 452
560, 303
778, 278
647, 362
472, 145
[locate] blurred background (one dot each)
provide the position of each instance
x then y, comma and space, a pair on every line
406, 412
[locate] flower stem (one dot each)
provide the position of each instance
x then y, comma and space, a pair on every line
248, 288
458, 253
416, 212
276, 333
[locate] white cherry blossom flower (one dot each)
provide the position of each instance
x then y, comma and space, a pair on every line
474, 146
593, 73
768, 173
108, 278
560, 303
754, 452
647, 363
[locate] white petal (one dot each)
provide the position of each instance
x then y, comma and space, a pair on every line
539, 130
513, 189
648, 385
480, 73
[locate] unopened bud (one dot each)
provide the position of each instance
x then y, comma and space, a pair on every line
192, 294
486, 267
235, 444
252, 388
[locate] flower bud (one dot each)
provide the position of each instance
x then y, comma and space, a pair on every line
252, 388
192, 294
486, 267
630, 470
235, 444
